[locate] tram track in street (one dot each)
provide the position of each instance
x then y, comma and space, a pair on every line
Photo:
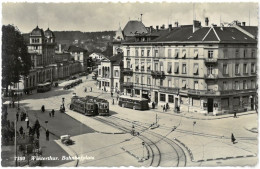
166, 158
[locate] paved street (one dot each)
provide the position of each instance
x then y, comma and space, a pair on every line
205, 143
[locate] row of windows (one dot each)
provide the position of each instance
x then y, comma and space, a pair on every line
236, 85
237, 68
106, 72
35, 40
195, 54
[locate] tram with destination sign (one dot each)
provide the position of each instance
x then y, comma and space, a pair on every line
41, 88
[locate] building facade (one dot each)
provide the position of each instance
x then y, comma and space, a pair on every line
199, 69
109, 74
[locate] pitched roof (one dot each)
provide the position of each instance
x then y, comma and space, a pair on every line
116, 59
251, 29
134, 27
73, 48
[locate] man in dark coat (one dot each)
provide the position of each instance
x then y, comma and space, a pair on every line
52, 112
233, 138
43, 108
47, 135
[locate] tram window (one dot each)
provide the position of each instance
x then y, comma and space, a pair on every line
92, 107
105, 106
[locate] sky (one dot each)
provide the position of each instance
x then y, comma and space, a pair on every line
88, 17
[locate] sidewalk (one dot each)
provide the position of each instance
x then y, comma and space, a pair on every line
49, 148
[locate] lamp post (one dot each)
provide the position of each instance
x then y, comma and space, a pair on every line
143, 149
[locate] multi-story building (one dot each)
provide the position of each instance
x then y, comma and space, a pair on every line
80, 55
199, 69
109, 73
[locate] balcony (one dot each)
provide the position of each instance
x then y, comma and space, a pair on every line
128, 85
203, 92
158, 74
211, 76
241, 91
127, 72
211, 61
169, 90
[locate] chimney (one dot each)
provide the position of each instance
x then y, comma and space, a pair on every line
151, 29
243, 23
163, 26
59, 48
196, 25
207, 21
157, 28
170, 27
176, 24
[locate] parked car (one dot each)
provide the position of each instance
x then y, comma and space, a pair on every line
72, 78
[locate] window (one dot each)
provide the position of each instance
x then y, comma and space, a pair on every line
210, 54
184, 53
236, 101
252, 68
184, 84
245, 53
161, 66
169, 53
142, 66
245, 69
148, 80
128, 64
176, 82
136, 79
162, 97
156, 66
196, 85
99, 71
128, 53
253, 53
156, 53
161, 82
136, 52
148, 52
244, 84
116, 84
148, 66
225, 86
184, 68
237, 53
236, 85
196, 69
176, 67
176, 53
116, 73
137, 92
210, 70
128, 79
237, 69
169, 70
169, 83
170, 99
196, 53
142, 52
142, 80
252, 84
137, 64
225, 69
225, 53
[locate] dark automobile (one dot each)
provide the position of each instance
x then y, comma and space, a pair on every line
73, 78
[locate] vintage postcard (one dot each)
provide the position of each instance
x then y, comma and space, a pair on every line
161, 84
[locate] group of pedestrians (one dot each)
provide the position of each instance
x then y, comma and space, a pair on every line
86, 89
51, 113
165, 107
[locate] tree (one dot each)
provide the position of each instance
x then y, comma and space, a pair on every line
16, 60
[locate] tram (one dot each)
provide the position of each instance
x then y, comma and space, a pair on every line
85, 106
133, 102
41, 88
90, 106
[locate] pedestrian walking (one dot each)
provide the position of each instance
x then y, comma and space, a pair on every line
163, 108
235, 113
17, 116
112, 94
85, 90
47, 135
52, 112
153, 105
167, 106
113, 102
21, 130
43, 108
233, 138
90, 89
